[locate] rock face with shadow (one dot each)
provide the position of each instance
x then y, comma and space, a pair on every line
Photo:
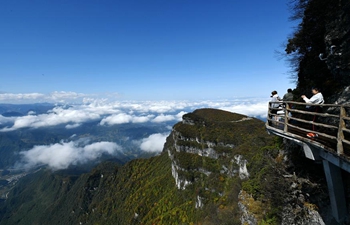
337, 39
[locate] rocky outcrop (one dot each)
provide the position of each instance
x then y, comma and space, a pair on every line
342, 98
297, 208
196, 145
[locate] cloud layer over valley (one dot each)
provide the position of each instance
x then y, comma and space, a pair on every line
112, 113
145, 124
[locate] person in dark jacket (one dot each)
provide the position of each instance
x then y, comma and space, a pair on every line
288, 96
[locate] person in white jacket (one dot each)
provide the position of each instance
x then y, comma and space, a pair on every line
275, 99
275, 103
317, 97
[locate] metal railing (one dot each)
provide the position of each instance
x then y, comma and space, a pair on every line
330, 122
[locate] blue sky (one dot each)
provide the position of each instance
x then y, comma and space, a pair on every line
144, 50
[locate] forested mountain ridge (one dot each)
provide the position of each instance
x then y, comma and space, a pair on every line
217, 167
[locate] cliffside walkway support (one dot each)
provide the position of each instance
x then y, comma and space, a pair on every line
331, 125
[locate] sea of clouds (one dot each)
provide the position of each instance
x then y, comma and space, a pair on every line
73, 114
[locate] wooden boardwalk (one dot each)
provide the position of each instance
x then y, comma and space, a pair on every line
332, 125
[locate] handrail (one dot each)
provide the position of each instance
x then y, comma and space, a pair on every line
330, 125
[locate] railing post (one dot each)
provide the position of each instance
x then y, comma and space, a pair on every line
340, 136
286, 111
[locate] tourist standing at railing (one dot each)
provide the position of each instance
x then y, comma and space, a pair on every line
317, 98
275, 102
275, 99
288, 96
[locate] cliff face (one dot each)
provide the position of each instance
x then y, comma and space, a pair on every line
337, 42
217, 167
210, 146
210, 151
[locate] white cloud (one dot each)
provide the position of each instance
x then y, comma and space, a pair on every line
54, 117
116, 119
163, 118
179, 115
124, 118
62, 95
72, 126
141, 119
61, 155
258, 109
154, 143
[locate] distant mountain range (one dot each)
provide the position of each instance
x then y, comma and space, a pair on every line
23, 109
